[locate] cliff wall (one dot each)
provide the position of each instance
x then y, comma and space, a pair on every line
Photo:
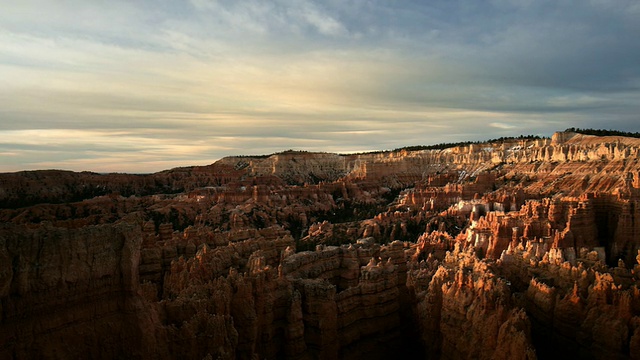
515, 249
57, 283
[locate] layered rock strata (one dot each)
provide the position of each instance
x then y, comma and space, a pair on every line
515, 249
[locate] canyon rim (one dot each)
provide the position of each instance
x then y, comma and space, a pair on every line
513, 249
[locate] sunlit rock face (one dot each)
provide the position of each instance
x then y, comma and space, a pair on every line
516, 250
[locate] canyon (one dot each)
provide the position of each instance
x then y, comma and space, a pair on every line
512, 249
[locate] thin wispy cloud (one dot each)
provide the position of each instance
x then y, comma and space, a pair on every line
143, 86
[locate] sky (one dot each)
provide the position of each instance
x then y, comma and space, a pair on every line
142, 86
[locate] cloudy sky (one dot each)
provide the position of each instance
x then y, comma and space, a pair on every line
141, 86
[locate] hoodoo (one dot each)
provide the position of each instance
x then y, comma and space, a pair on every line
513, 249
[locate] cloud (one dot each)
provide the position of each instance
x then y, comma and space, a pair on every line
148, 85
502, 126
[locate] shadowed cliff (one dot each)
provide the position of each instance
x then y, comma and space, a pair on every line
520, 248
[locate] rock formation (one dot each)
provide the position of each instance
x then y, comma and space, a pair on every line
516, 249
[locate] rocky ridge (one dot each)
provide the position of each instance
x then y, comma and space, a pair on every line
517, 249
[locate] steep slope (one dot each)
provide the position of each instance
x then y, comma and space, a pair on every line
515, 249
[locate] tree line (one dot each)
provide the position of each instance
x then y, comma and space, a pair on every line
442, 146
603, 132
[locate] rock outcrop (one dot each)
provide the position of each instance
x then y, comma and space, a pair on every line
514, 249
